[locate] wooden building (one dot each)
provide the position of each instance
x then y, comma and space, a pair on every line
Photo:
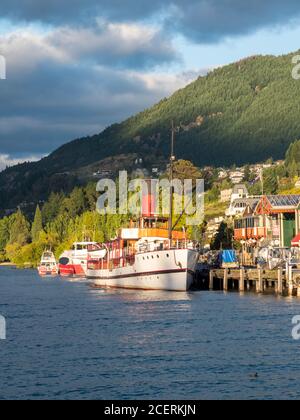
274, 219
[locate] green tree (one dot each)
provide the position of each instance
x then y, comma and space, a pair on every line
19, 231
293, 154
184, 169
247, 174
76, 203
270, 181
223, 238
52, 207
4, 232
37, 225
213, 194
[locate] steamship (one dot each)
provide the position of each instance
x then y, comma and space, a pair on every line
150, 254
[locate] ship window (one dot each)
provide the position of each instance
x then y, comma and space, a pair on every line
168, 256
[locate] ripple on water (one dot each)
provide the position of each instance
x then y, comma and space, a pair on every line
69, 341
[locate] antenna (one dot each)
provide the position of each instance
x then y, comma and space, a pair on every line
262, 181
172, 160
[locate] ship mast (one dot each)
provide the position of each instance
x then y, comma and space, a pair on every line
172, 160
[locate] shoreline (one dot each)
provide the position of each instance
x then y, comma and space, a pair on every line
7, 265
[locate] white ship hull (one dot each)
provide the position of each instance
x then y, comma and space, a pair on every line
171, 270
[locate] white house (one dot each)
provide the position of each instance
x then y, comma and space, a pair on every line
239, 200
226, 195
237, 176
239, 191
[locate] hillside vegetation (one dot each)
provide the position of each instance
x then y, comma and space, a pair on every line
65, 218
241, 113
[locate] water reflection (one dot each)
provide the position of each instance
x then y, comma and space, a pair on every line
129, 295
131, 344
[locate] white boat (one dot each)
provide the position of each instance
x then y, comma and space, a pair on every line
74, 261
48, 265
153, 263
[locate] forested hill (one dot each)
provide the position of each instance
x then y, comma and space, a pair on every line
241, 113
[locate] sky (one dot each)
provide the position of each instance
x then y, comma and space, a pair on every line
73, 67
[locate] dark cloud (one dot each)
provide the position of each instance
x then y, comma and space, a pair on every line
52, 103
74, 81
201, 20
58, 11
89, 69
207, 21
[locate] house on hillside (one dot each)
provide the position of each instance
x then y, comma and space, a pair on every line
222, 174
237, 176
239, 206
238, 200
239, 191
226, 195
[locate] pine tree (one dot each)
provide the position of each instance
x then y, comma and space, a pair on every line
4, 233
19, 231
37, 225
223, 238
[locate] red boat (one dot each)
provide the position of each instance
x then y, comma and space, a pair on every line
74, 262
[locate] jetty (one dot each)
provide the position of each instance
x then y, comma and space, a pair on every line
279, 281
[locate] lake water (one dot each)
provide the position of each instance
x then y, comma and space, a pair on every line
66, 340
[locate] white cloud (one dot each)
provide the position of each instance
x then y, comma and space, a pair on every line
65, 83
55, 93
118, 45
7, 161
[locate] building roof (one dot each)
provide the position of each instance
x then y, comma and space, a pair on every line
278, 204
238, 187
252, 204
283, 201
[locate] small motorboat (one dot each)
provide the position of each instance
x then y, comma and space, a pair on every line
48, 265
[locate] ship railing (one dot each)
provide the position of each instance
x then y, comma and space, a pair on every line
127, 257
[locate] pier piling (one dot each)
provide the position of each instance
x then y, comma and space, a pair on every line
242, 279
259, 283
211, 280
225, 282
261, 280
280, 282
